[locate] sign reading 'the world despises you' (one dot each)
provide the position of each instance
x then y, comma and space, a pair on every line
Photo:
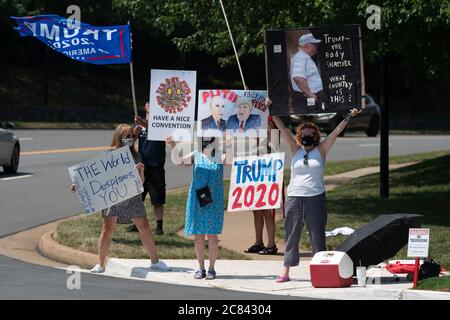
106, 180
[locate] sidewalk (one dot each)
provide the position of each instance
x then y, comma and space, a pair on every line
248, 276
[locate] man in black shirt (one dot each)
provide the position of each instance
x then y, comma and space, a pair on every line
153, 154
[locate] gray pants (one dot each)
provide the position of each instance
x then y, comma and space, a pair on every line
298, 210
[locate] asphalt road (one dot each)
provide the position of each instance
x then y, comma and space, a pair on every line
19, 280
38, 194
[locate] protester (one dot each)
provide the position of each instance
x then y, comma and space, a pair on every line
153, 154
267, 217
306, 189
205, 204
131, 210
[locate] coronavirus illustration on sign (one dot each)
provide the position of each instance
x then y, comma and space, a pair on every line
173, 95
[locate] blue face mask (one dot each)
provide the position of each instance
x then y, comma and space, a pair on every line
128, 142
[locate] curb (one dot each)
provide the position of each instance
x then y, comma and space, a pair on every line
410, 294
51, 249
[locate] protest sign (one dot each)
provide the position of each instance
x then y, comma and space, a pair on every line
85, 43
172, 105
314, 70
256, 182
106, 180
240, 112
418, 242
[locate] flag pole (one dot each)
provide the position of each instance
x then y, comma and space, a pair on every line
133, 92
234, 47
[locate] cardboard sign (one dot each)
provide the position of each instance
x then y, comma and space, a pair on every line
106, 180
418, 242
240, 112
172, 105
256, 182
314, 70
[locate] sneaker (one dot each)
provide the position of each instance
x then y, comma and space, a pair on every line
161, 266
200, 274
132, 228
97, 269
211, 275
158, 232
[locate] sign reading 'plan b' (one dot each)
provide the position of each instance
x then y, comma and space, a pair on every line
106, 180
172, 105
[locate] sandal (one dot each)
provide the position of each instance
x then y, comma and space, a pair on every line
269, 251
281, 279
255, 248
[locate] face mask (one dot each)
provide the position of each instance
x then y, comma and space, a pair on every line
128, 142
307, 141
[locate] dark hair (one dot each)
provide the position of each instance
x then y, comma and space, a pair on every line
308, 125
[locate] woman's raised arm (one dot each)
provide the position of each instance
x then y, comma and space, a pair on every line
287, 135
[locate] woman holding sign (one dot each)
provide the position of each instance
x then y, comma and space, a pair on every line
130, 210
205, 205
306, 190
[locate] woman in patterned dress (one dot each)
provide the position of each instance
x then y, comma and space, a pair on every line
204, 220
130, 210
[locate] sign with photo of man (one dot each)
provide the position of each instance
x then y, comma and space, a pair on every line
240, 112
314, 70
172, 101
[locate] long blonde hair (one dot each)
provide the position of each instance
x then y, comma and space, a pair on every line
116, 141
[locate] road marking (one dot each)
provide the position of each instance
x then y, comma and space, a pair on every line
32, 153
371, 145
26, 139
19, 177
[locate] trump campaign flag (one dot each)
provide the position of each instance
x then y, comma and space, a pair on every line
85, 43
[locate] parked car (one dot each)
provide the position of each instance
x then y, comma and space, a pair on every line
368, 120
9, 148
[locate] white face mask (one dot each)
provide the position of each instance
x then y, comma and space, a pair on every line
128, 142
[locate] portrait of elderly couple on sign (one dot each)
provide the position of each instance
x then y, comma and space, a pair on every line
240, 117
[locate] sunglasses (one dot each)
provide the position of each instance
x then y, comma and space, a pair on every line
305, 160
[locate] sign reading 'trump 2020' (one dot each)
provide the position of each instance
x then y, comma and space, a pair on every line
256, 182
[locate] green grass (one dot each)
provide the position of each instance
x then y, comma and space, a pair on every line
423, 189
342, 166
83, 233
436, 284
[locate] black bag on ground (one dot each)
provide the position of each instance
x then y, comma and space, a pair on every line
429, 269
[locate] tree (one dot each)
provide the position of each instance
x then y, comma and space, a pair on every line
413, 29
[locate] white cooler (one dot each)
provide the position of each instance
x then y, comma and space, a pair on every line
331, 269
